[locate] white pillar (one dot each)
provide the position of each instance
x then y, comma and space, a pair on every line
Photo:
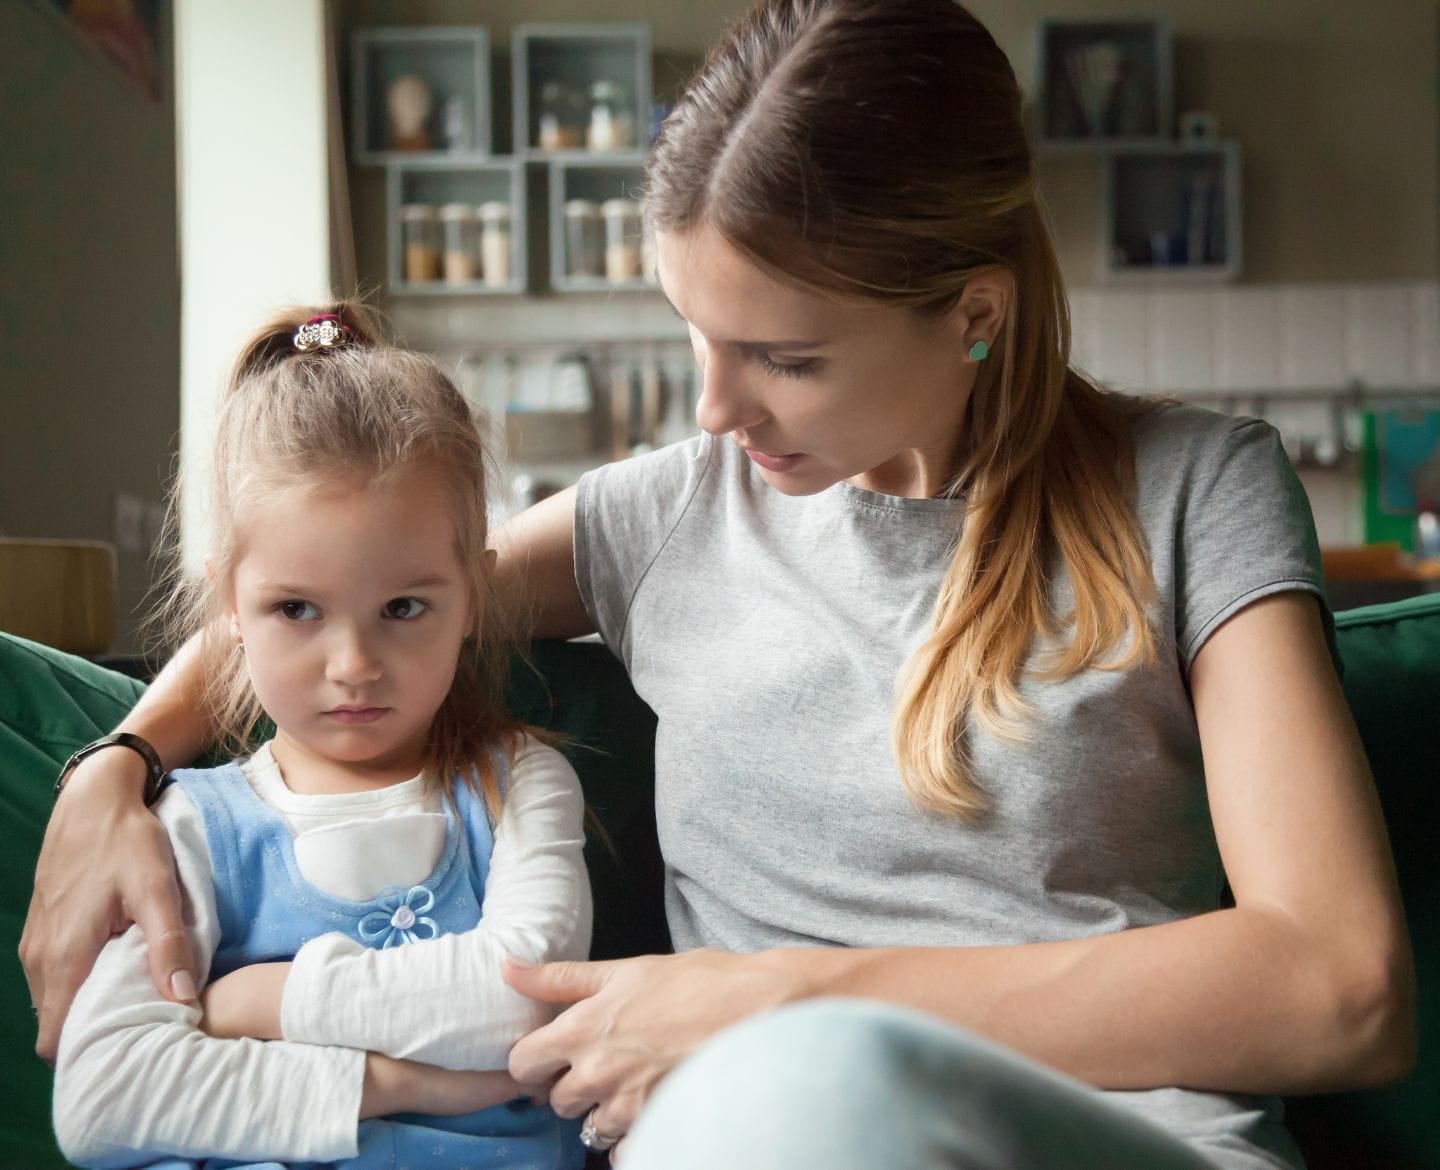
254, 201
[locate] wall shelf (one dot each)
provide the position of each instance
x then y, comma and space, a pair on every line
1173, 213
575, 58
1104, 82
455, 181
453, 63
596, 179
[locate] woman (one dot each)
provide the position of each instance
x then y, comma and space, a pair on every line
975, 683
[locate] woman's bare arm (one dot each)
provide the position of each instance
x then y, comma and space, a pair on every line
106, 862
536, 570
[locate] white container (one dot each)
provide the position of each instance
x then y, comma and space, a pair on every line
584, 239
461, 234
612, 126
420, 236
495, 238
622, 240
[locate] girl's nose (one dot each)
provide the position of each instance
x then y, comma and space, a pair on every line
351, 662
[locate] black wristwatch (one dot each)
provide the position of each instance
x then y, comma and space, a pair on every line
155, 770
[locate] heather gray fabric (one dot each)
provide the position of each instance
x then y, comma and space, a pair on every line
766, 632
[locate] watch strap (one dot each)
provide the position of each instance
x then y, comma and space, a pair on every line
154, 769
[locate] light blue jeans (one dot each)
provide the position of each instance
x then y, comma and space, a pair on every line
845, 1084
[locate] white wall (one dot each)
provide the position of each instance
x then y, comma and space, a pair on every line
254, 204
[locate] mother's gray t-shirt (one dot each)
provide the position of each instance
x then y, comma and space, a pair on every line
767, 630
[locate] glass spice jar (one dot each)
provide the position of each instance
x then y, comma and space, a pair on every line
495, 243
420, 240
461, 232
584, 239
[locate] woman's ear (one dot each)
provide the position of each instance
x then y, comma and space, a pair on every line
982, 310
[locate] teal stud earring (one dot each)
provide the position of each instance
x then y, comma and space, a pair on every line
979, 351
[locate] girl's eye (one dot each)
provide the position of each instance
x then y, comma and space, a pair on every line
405, 608
782, 370
298, 611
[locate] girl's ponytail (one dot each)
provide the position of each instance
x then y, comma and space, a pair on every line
274, 341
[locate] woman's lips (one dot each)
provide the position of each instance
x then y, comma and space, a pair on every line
774, 462
356, 715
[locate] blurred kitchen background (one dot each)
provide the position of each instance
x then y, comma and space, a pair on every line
1246, 198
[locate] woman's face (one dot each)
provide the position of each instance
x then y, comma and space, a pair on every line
816, 391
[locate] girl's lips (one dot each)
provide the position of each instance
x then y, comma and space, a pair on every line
356, 715
774, 462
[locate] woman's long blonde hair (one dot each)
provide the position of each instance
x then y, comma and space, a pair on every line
873, 151
291, 420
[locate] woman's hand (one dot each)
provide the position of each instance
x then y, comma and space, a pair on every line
403, 1086
633, 1020
246, 1002
106, 862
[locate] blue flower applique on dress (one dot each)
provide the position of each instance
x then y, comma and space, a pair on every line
400, 918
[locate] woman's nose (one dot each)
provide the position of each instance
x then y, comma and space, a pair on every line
725, 403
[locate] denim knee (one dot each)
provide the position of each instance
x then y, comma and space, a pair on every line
834, 1082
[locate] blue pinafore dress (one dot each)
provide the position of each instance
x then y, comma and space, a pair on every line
267, 911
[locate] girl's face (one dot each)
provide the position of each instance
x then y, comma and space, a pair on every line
351, 605
816, 391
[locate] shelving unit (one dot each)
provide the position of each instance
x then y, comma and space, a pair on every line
443, 181
1105, 83
596, 179
1172, 207
453, 62
578, 56
1173, 212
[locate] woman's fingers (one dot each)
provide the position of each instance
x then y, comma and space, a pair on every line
105, 862
153, 900
561, 982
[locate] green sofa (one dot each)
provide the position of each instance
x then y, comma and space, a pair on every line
52, 702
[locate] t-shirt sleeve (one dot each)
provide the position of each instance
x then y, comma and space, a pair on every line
1245, 532
624, 514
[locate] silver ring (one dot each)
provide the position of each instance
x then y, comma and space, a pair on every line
591, 1138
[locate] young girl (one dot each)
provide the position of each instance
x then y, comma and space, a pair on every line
348, 597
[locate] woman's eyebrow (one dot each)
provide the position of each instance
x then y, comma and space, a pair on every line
754, 346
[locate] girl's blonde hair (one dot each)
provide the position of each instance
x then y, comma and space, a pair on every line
291, 420
873, 151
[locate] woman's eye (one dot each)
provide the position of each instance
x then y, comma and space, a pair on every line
405, 608
783, 370
297, 611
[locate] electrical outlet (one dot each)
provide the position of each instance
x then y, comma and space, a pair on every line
129, 523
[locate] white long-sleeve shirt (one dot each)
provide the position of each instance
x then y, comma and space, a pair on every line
135, 1076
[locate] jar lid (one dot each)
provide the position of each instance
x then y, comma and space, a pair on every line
619, 207
495, 209
453, 212
411, 212
581, 207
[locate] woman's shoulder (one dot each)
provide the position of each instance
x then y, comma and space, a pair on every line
1172, 424
1182, 446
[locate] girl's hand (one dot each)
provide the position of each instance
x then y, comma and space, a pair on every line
403, 1086
632, 1021
246, 1002
106, 862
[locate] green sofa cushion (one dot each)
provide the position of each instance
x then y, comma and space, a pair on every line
50, 703
1391, 654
